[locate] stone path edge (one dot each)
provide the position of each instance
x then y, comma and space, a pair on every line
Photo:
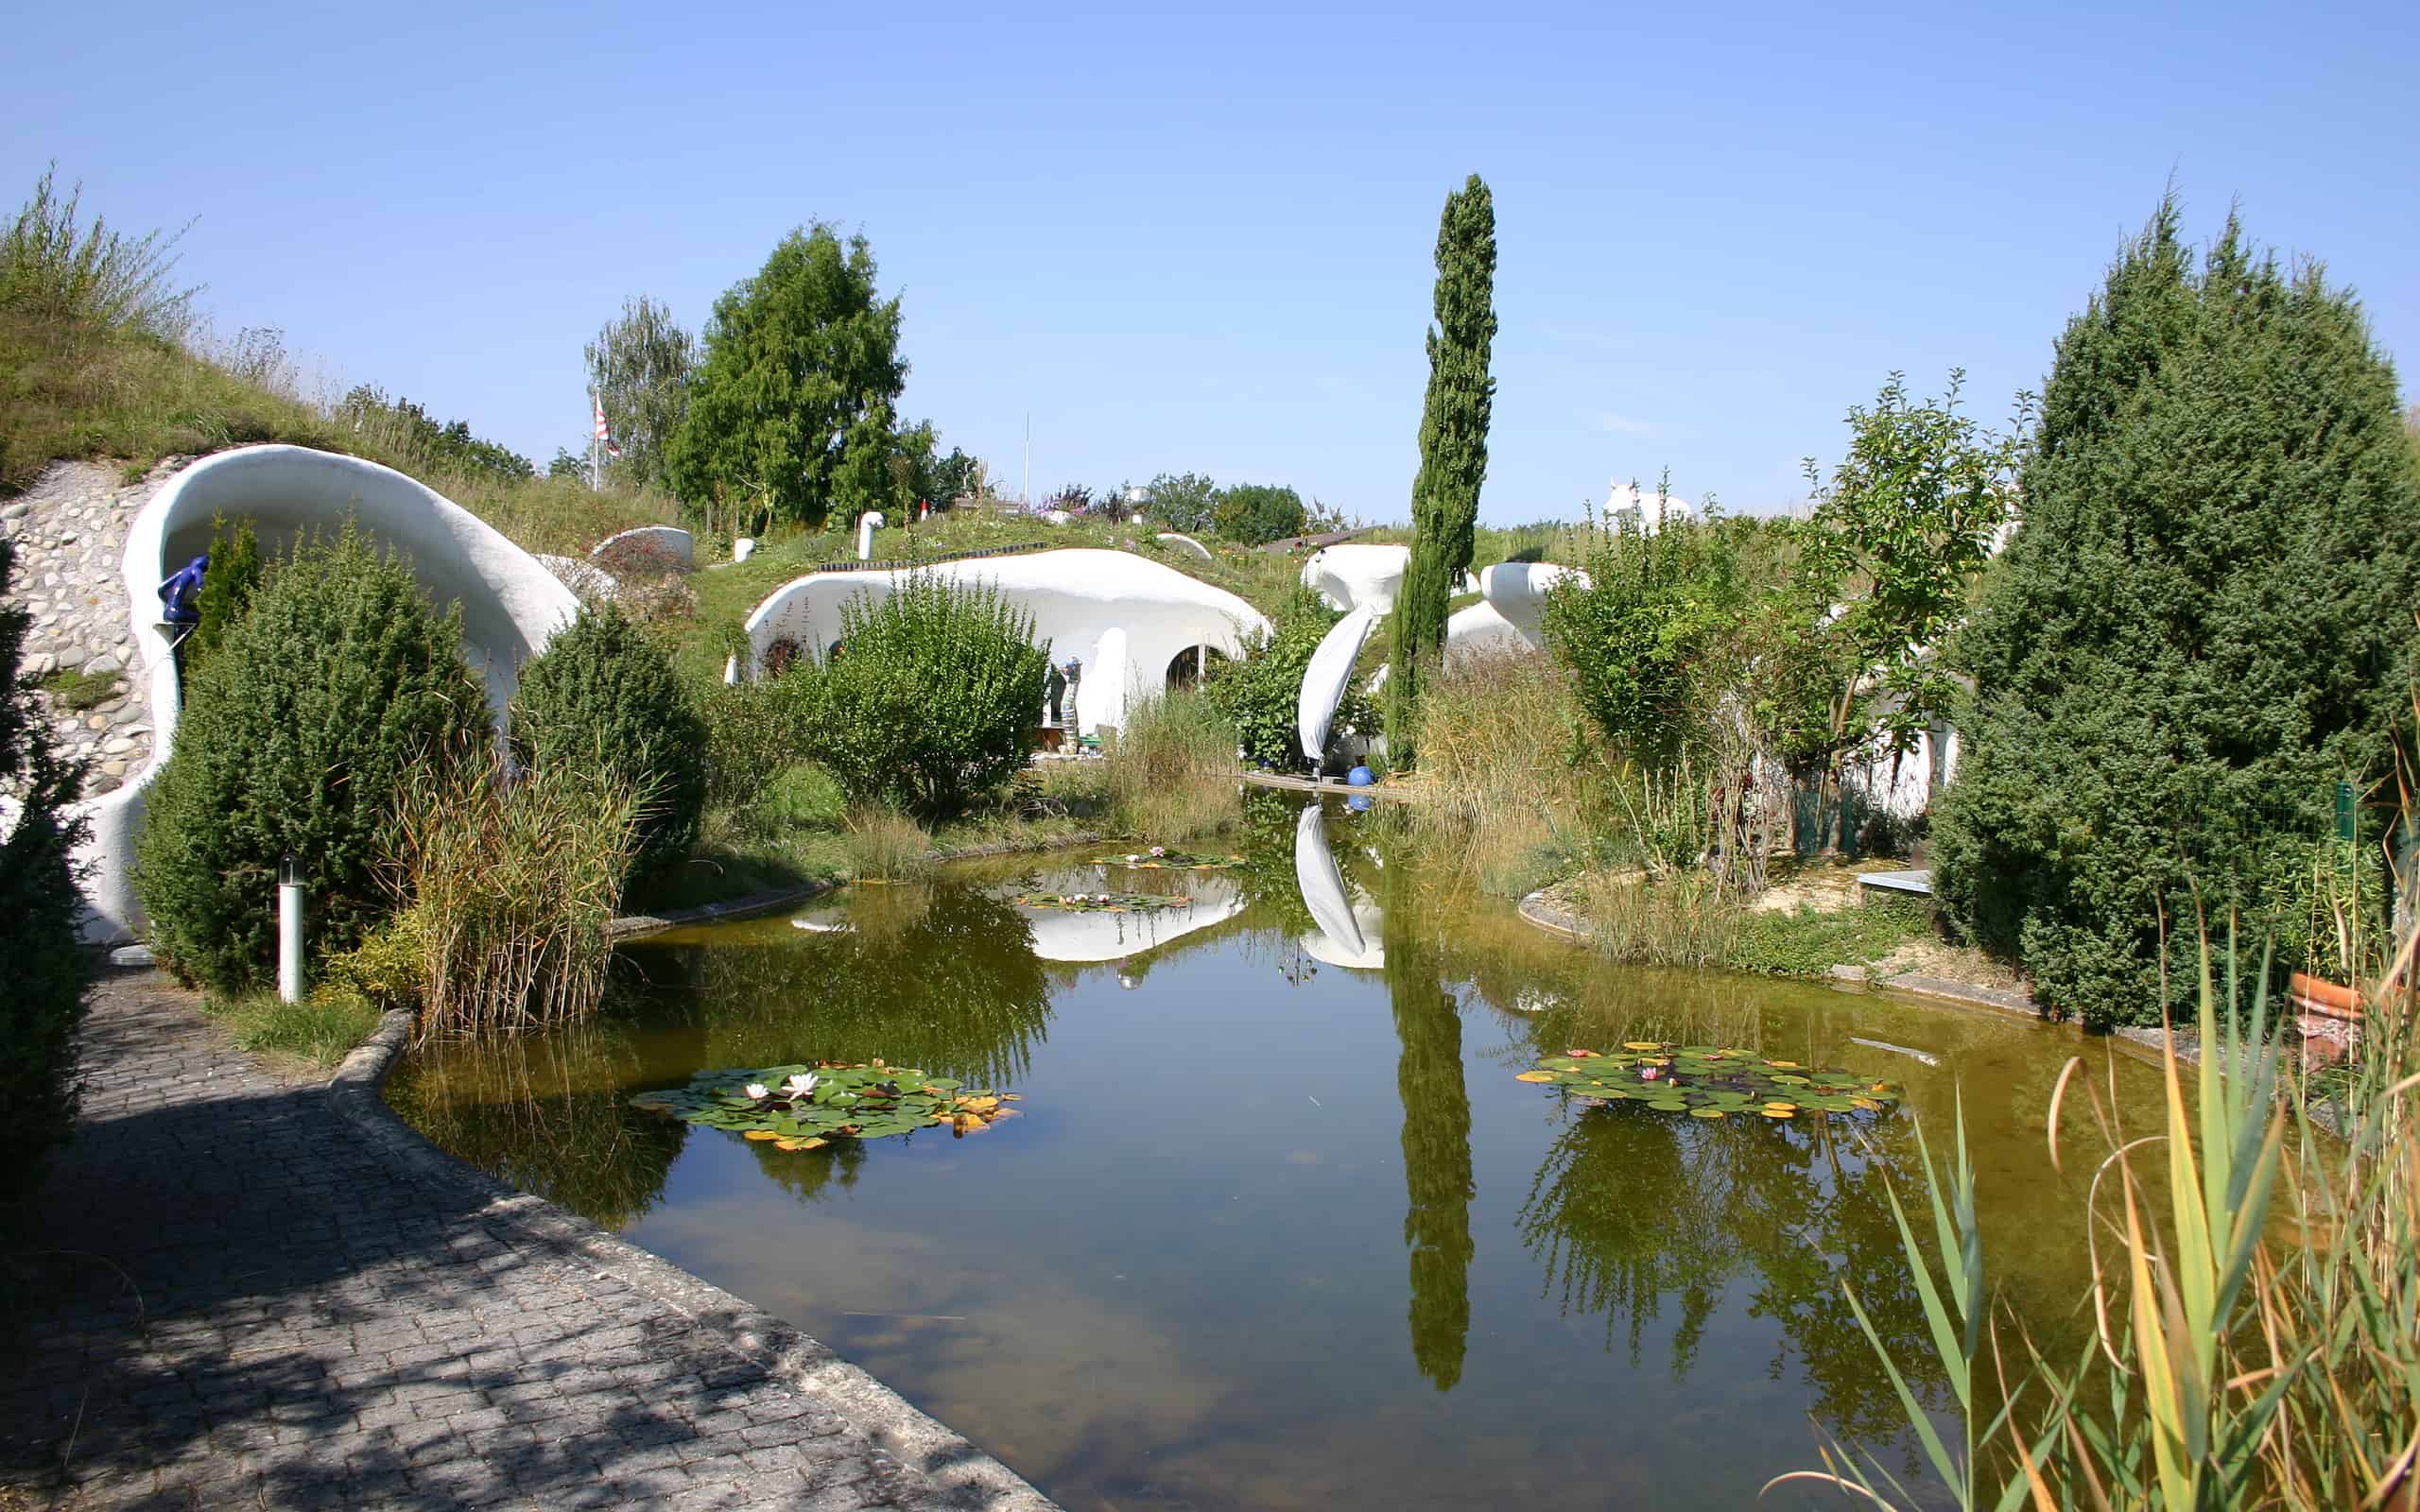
966, 1476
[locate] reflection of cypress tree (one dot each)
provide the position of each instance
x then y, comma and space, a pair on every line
549, 1117
1436, 1154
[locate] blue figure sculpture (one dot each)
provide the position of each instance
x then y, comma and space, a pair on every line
178, 594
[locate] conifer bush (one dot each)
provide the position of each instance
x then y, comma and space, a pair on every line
296, 736
932, 701
603, 687
48, 971
2204, 623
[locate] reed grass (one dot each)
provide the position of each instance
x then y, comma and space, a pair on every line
885, 845
1171, 773
2255, 1288
510, 882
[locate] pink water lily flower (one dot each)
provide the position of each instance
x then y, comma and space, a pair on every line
1159, 850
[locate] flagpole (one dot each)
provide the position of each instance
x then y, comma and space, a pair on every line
596, 462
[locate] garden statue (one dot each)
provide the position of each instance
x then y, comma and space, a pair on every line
1054, 688
178, 594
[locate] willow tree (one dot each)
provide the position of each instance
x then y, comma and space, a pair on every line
639, 367
1453, 449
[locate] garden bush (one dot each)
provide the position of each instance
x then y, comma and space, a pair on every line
295, 737
47, 972
933, 701
603, 687
2203, 622
1261, 694
227, 588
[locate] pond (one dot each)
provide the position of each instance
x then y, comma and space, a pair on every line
1279, 1228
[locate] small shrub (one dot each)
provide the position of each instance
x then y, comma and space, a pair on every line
320, 1030
296, 738
886, 845
753, 734
47, 972
603, 687
934, 703
1261, 695
76, 691
227, 588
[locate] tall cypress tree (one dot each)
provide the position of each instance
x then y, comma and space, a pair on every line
1453, 449
2202, 624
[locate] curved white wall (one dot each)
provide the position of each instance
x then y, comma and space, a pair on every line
511, 606
1125, 617
1350, 575
672, 541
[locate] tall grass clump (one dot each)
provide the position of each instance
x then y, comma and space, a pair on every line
296, 736
511, 882
1171, 770
1510, 780
84, 278
2256, 1283
885, 845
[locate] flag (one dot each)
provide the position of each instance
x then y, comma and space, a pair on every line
604, 432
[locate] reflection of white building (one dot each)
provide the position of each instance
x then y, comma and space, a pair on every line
510, 605
1126, 618
1078, 937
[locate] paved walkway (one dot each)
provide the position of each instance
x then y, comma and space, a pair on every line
236, 1291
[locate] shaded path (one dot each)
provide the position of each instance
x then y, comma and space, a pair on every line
239, 1291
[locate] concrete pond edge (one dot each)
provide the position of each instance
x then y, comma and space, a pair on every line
962, 1475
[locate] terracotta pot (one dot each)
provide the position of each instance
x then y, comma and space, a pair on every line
2320, 995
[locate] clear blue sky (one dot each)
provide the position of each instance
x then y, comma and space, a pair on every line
1203, 242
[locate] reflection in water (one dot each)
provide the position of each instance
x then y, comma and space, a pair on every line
1346, 931
549, 1116
1632, 1207
1436, 1153
942, 977
1142, 1305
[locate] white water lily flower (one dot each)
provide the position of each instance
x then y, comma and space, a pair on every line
756, 1090
799, 1086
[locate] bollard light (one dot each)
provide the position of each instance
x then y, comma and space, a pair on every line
289, 928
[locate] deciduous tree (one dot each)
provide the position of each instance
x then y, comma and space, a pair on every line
795, 360
639, 367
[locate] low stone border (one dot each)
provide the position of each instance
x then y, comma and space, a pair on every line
962, 1475
750, 906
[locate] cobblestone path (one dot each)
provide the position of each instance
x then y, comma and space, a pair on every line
233, 1291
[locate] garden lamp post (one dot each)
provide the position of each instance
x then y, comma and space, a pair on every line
289, 928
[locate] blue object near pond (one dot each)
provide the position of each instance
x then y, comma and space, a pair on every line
178, 594
1360, 777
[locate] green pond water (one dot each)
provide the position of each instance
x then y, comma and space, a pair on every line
1278, 1227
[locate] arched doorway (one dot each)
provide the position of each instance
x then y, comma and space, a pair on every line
1184, 669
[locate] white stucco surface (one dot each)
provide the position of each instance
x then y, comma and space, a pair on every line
1182, 542
671, 540
1628, 504
1349, 575
1124, 617
511, 606
1326, 677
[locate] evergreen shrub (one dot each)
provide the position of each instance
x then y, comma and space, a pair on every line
227, 588
604, 688
296, 736
932, 702
2204, 621
47, 969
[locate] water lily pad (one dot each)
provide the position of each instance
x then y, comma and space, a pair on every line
1103, 903
1709, 1081
809, 1108
1162, 858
